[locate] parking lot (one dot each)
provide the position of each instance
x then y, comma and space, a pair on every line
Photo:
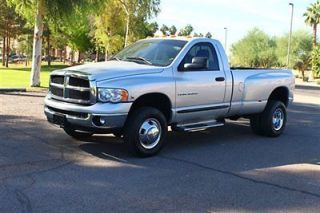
224, 169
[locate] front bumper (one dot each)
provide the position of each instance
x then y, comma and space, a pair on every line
87, 117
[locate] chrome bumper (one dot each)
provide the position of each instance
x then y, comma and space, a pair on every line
85, 117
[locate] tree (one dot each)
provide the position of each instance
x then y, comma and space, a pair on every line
35, 11
195, 34
78, 39
173, 30
316, 62
164, 29
186, 31
25, 46
151, 28
59, 41
138, 10
256, 49
301, 47
208, 35
108, 28
11, 25
312, 18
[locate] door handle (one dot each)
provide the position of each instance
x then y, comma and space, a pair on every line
220, 79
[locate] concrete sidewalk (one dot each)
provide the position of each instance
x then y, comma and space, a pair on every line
306, 85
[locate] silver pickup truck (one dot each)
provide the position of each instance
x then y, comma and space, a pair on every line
186, 84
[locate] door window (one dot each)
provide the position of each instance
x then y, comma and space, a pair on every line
205, 50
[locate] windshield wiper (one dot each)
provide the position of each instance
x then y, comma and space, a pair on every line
141, 59
115, 58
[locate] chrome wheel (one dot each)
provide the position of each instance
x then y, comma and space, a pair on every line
277, 119
150, 133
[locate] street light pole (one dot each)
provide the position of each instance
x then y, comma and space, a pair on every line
225, 38
290, 35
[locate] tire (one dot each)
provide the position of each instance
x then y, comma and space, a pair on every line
272, 121
145, 131
77, 134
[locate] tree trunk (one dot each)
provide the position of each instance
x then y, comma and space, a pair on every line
48, 50
4, 51
64, 55
127, 30
7, 51
314, 40
79, 57
106, 56
97, 55
71, 57
61, 52
106, 53
37, 46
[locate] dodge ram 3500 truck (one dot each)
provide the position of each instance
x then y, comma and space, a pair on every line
155, 83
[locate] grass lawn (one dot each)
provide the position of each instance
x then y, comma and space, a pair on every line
18, 75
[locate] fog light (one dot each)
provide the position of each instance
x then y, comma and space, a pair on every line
99, 121
102, 121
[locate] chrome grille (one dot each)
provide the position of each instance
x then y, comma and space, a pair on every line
72, 88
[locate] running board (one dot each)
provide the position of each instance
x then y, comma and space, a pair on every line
199, 126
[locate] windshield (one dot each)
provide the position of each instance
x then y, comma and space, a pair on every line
157, 52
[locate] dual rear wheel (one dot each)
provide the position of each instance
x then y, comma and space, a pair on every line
272, 121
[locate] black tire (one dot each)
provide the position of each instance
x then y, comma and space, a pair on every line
263, 123
77, 134
134, 126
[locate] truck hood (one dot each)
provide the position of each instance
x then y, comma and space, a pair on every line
109, 70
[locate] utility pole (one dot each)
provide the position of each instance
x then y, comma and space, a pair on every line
225, 38
290, 35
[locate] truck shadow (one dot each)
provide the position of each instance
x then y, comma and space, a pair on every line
227, 145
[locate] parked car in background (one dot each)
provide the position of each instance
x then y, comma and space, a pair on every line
17, 58
47, 57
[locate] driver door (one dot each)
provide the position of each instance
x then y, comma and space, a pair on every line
200, 93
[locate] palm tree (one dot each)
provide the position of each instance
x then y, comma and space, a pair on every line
312, 18
50, 10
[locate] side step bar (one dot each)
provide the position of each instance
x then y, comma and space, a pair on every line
198, 126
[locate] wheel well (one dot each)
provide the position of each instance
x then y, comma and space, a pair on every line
156, 100
280, 94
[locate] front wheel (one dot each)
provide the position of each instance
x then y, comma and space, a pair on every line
145, 131
272, 121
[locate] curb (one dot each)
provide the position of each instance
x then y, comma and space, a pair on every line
28, 89
13, 90
308, 87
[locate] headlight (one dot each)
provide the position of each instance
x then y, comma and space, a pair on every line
112, 95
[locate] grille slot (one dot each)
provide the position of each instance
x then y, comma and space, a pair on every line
70, 88
57, 79
56, 91
76, 94
78, 82
71, 113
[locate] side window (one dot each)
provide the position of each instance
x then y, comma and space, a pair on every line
203, 50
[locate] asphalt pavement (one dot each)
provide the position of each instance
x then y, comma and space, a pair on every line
226, 169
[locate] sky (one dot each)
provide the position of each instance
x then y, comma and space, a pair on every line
239, 16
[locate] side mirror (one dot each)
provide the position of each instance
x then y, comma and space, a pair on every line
198, 63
